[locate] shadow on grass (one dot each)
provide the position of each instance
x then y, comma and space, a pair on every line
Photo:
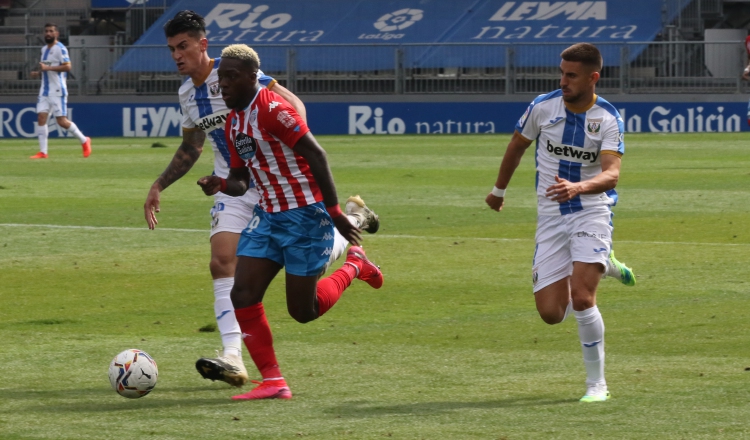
105, 400
366, 409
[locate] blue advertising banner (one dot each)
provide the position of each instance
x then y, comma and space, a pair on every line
301, 23
157, 120
123, 4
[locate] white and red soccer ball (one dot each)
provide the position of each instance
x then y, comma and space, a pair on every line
133, 373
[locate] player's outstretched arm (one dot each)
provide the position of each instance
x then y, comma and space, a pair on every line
235, 185
293, 99
512, 158
564, 190
315, 156
184, 158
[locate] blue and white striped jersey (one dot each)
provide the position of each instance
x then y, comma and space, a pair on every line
54, 83
569, 144
203, 109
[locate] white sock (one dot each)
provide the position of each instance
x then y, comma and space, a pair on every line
611, 271
591, 334
231, 335
76, 132
42, 132
339, 243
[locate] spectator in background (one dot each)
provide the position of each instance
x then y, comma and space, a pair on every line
746, 72
53, 94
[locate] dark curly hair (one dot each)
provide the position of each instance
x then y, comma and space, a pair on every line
189, 22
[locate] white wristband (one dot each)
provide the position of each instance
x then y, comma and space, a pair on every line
497, 192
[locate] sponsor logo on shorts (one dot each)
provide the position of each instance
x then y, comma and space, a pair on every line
324, 222
600, 250
591, 235
535, 276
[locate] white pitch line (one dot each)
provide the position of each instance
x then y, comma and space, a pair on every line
405, 236
111, 228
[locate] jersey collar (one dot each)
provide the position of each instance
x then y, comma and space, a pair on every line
206, 73
582, 109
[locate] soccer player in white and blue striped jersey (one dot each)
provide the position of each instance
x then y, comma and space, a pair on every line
53, 93
579, 146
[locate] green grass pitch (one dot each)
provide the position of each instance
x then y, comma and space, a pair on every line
450, 347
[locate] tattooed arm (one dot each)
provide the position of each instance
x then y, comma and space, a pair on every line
184, 159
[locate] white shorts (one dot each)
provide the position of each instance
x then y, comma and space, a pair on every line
232, 214
57, 105
585, 236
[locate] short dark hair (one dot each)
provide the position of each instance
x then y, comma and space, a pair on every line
584, 53
187, 21
50, 25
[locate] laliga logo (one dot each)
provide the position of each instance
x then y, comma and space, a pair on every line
398, 20
395, 21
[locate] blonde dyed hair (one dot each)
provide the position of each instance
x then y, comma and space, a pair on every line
241, 52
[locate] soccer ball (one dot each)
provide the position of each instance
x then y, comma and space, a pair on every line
133, 373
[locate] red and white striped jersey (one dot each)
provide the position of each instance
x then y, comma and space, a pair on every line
262, 137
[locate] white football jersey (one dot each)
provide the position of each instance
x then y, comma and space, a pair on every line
54, 83
203, 109
570, 144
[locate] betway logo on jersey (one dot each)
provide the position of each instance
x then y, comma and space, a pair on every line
518, 11
573, 154
212, 122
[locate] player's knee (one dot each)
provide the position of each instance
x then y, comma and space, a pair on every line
551, 315
63, 122
582, 302
551, 318
302, 315
243, 296
222, 266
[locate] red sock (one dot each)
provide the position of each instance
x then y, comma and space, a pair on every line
258, 339
331, 287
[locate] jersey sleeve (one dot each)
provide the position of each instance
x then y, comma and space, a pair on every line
235, 161
528, 125
265, 80
187, 122
282, 120
64, 55
613, 136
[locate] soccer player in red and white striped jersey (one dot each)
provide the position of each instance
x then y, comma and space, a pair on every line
293, 224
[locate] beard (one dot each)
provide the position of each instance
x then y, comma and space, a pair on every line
49, 39
572, 98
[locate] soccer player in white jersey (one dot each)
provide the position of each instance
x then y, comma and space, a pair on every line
204, 115
53, 94
579, 146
